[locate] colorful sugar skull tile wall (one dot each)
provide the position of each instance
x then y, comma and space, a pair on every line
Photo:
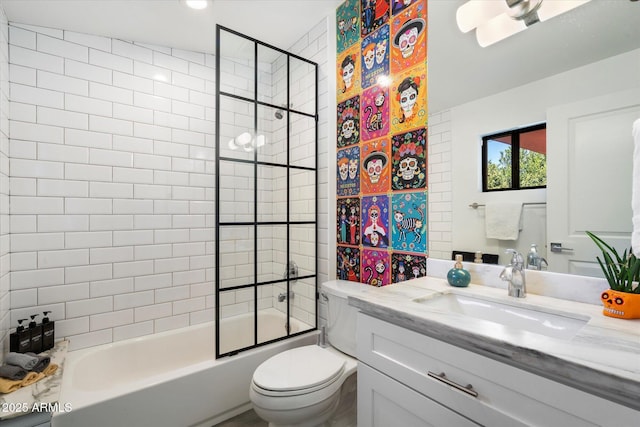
381, 179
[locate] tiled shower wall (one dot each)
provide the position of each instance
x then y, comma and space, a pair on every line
5, 258
112, 167
112, 183
440, 185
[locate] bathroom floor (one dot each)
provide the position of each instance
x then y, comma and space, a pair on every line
246, 419
345, 414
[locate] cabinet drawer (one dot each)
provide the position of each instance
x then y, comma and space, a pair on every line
384, 402
505, 395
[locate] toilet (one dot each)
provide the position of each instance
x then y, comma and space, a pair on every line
302, 386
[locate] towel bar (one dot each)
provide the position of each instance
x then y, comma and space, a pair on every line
475, 205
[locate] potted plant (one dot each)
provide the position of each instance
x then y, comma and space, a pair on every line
622, 300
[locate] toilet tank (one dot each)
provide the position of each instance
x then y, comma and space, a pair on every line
341, 317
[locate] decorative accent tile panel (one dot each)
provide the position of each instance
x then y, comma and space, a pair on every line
381, 182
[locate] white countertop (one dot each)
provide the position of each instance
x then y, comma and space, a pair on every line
40, 395
603, 358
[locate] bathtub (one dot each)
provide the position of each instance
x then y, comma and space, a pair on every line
169, 379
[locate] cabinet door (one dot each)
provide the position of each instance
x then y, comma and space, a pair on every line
384, 402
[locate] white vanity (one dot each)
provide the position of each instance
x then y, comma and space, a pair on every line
429, 357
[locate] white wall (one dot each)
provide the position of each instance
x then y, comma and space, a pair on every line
112, 184
513, 108
5, 257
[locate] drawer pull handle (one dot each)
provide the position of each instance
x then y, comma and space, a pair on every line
443, 378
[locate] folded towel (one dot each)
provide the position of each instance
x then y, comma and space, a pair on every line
32, 377
11, 372
8, 386
635, 190
43, 362
50, 370
502, 220
23, 360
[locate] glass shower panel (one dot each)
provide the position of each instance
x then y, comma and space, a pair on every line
272, 135
272, 76
302, 248
302, 137
272, 194
272, 252
302, 84
266, 217
272, 325
302, 195
236, 192
237, 262
237, 65
237, 122
303, 305
237, 326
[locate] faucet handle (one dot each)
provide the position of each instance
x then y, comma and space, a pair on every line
516, 258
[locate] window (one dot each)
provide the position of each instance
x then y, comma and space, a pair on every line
515, 159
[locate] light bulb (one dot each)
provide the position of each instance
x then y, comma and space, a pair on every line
196, 4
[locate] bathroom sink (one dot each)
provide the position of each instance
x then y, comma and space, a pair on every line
552, 324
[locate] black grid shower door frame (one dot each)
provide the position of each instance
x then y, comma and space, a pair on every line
255, 223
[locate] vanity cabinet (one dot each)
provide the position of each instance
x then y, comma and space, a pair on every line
404, 375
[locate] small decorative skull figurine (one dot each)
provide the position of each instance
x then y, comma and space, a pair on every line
369, 56
622, 305
343, 168
381, 50
353, 168
408, 168
347, 128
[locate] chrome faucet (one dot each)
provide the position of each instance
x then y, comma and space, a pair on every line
514, 274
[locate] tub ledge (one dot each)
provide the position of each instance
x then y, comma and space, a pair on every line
39, 400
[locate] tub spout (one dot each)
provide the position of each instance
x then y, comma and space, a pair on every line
283, 296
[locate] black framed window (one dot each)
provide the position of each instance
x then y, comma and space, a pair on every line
515, 159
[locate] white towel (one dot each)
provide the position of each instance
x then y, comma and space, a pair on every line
635, 190
502, 220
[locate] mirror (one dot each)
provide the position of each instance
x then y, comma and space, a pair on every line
552, 72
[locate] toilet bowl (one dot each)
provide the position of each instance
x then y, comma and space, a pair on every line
302, 387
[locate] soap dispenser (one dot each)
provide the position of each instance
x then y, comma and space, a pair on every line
20, 340
533, 259
458, 276
48, 332
36, 335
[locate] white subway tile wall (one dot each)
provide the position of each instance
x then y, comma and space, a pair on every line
111, 183
25, 298
110, 230
440, 189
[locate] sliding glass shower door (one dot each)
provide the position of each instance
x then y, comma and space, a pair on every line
266, 193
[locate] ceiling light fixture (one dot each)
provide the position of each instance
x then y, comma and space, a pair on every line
495, 20
197, 4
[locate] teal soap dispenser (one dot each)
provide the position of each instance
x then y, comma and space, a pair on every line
458, 276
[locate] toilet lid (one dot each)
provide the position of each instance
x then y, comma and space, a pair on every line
298, 369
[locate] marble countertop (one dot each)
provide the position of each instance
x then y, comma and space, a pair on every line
40, 395
603, 358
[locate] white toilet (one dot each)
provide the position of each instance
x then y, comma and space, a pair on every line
302, 386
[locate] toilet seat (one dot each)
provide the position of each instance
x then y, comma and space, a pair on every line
298, 371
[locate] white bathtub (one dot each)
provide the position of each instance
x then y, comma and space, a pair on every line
169, 379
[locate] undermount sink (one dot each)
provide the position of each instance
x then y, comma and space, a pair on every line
556, 325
